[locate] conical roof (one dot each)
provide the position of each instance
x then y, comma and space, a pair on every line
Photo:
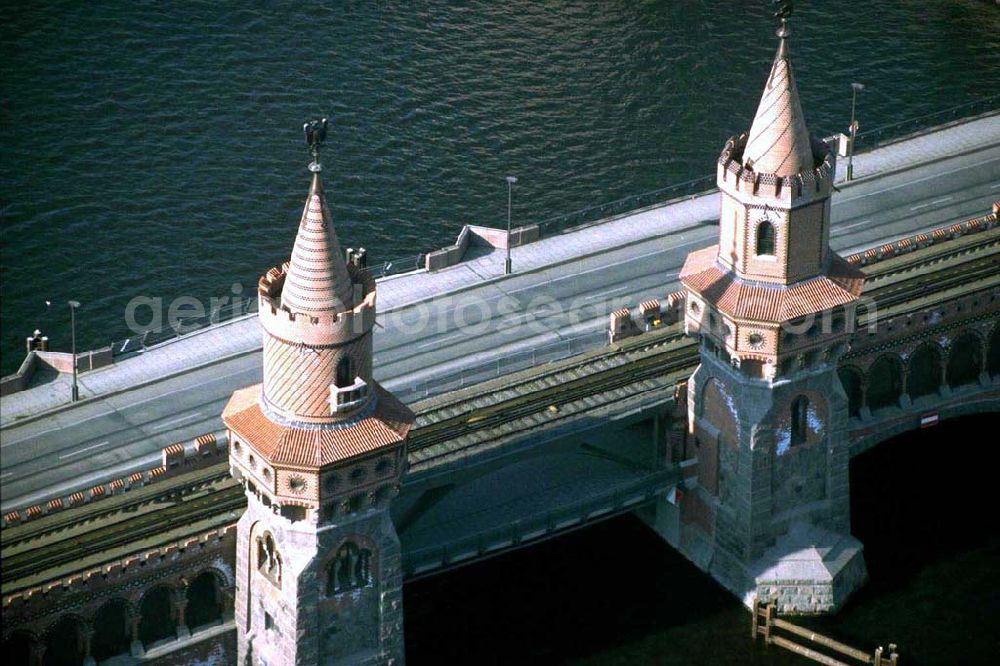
779, 141
317, 280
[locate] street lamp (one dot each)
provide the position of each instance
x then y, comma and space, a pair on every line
73, 305
510, 188
855, 89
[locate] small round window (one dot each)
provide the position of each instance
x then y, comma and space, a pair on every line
297, 485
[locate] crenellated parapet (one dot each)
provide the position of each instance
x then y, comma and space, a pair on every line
176, 458
748, 185
325, 329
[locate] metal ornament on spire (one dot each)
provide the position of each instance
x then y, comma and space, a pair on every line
783, 12
315, 131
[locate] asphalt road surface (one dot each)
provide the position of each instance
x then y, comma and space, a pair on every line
426, 347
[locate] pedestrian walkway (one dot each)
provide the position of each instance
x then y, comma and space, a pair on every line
242, 336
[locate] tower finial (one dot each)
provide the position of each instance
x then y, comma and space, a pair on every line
315, 131
783, 12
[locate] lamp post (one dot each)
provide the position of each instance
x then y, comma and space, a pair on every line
510, 188
855, 89
73, 305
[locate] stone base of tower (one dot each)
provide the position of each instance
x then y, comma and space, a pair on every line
765, 512
809, 570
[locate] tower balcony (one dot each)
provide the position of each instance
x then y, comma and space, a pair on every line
348, 398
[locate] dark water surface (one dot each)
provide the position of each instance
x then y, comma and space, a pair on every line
155, 148
615, 594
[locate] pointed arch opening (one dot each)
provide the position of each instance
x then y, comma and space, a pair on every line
853, 383
800, 420
204, 597
112, 635
158, 621
350, 569
965, 361
268, 558
885, 382
765, 239
64, 642
923, 376
345, 372
993, 353
19, 649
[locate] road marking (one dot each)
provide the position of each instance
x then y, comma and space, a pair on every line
919, 180
841, 228
179, 419
918, 207
84, 450
605, 294
943, 200
440, 341
995, 187
188, 387
603, 267
4, 476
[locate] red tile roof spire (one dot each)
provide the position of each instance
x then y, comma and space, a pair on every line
778, 142
317, 281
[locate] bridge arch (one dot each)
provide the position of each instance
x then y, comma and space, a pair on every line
890, 509
535, 485
65, 641
853, 380
112, 629
157, 619
924, 371
885, 382
965, 359
20, 648
993, 353
204, 594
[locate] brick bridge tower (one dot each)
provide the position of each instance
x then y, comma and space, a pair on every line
319, 448
773, 308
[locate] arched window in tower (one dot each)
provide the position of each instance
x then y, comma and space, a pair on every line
800, 419
268, 559
765, 239
349, 570
345, 372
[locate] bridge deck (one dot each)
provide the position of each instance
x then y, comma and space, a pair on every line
523, 409
939, 177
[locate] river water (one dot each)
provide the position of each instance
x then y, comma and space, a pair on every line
615, 594
155, 149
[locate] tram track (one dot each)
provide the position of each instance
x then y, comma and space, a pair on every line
644, 357
121, 533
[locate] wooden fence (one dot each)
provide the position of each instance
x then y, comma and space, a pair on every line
766, 624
